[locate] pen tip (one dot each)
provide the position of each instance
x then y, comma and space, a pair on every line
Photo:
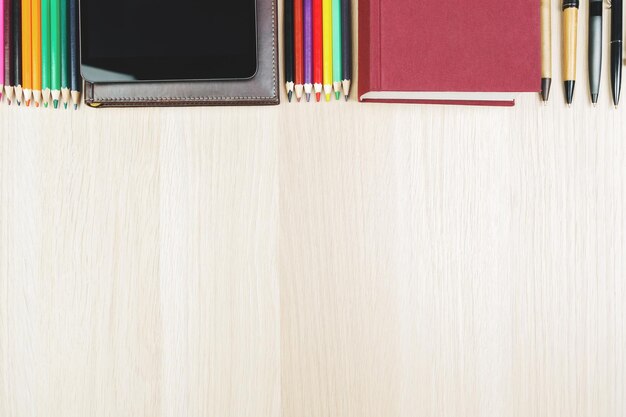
290, 96
55, 103
569, 91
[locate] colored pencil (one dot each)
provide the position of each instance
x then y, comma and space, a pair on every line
76, 83
288, 45
46, 58
327, 26
36, 60
298, 39
55, 51
16, 48
346, 37
1, 48
337, 59
318, 49
27, 52
9, 88
65, 58
308, 48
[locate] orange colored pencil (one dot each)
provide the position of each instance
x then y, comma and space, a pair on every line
27, 54
36, 21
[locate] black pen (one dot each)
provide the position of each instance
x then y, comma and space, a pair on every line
595, 48
616, 49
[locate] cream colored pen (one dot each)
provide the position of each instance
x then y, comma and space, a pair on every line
546, 49
570, 34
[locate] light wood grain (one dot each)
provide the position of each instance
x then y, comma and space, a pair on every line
337, 260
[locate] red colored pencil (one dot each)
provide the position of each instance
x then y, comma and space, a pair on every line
318, 49
298, 47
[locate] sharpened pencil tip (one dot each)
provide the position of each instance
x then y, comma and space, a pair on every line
27, 103
55, 103
9, 102
45, 104
65, 106
75, 106
290, 96
328, 97
337, 95
347, 98
318, 97
308, 97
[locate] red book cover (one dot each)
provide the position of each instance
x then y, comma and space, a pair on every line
448, 51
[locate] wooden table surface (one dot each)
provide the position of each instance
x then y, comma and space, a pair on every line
339, 260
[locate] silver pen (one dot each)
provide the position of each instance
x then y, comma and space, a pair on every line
595, 48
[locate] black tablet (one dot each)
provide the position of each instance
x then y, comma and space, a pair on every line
159, 40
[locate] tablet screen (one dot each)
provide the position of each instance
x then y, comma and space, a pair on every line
150, 40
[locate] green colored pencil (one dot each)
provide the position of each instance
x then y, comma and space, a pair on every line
45, 52
337, 58
55, 48
65, 58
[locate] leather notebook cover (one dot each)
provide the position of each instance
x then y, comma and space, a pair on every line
448, 52
262, 89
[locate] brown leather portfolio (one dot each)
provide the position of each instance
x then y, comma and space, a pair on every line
262, 89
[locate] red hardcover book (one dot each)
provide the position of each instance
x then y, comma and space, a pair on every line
482, 52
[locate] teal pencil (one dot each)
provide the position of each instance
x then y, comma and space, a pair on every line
337, 58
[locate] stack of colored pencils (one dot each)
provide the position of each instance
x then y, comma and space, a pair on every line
39, 58
318, 48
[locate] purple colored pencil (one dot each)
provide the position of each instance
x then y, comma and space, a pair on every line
308, 48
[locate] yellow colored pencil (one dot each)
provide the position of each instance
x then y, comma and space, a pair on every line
36, 62
327, 10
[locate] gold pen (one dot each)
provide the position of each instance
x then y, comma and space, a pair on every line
570, 33
546, 49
